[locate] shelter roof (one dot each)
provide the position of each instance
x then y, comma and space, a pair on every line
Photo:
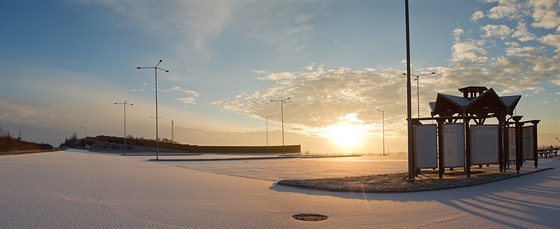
486, 101
511, 102
447, 105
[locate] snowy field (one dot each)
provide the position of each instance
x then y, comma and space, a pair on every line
296, 168
77, 189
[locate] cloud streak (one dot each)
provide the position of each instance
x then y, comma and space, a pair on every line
190, 96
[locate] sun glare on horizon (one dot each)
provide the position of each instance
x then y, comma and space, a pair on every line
348, 132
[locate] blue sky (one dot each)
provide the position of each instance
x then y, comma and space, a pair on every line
64, 63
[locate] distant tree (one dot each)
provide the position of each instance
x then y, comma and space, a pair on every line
7, 134
74, 136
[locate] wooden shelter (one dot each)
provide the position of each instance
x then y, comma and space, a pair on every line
479, 143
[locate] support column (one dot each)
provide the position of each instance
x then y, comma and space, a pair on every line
467, 147
501, 150
506, 146
535, 155
518, 143
441, 165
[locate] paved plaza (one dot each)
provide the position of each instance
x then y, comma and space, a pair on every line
79, 189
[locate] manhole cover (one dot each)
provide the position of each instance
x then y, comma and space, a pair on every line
310, 217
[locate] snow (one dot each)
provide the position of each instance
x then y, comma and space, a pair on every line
77, 189
299, 168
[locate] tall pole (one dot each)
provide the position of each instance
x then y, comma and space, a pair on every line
418, 90
124, 125
157, 114
383, 117
282, 101
172, 132
418, 95
411, 163
266, 123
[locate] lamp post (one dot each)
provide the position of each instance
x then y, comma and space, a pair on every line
266, 123
156, 87
383, 117
410, 136
282, 101
418, 89
124, 125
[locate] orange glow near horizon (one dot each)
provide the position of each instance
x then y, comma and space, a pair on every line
348, 132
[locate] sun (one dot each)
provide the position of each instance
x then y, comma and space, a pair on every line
348, 132
347, 136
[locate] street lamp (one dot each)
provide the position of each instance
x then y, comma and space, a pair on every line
157, 127
266, 123
282, 101
418, 89
410, 136
124, 128
383, 117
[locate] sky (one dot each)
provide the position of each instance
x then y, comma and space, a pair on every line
63, 65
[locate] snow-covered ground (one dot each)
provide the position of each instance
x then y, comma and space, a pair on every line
77, 189
300, 168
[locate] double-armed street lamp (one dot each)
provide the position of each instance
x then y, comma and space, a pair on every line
156, 68
266, 123
383, 118
124, 128
282, 101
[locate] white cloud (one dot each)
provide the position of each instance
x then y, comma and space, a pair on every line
186, 91
522, 33
187, 100
190, 97
499, 31
545, 13
470, 51
320, 96
521, 51
25, 113
458, 32
511, 9
477, 15
552, 40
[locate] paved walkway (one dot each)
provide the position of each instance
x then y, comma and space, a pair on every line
86, 190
